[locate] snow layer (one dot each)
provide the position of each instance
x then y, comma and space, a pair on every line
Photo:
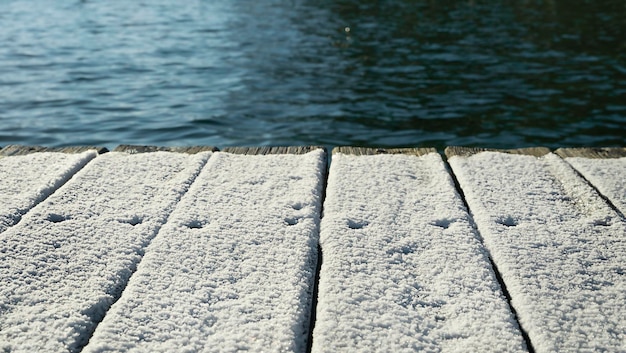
403, 269
27, 180
233, 269
607, 175
559, 247
70, 257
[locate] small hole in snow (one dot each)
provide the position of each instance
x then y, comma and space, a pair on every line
297, 206
443, 223
291, 221
507, 221
195, 224
602, 222
56, 218
133, 221
352, 224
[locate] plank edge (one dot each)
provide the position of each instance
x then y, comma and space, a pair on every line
460, 151
20, 150
265, 150
367, 151
592, 152
134, 149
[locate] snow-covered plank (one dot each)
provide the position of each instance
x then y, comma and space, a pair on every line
28, 178
71, 256
403, 269
560, 249
605, 168
234, 267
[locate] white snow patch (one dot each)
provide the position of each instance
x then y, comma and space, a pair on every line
63, 265
233, 268
27, 180
607, 175
403, 270
560, 248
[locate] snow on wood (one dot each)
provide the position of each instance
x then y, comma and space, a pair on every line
560, 248
26, 180
605, 168
234, 267
403, 269
70, 257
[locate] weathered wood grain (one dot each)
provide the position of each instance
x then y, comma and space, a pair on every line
365, 151
20, 150
271, 150
132, 149
590, 152
451, 151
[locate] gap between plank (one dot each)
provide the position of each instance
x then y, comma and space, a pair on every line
118, 294
69, 176
606, 199
497, 273
320, 255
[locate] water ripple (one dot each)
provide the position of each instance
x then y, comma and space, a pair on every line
341, 72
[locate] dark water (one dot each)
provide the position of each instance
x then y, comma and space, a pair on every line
330, 72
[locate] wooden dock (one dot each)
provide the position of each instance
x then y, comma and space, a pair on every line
271, 249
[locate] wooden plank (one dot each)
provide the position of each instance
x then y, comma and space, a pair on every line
132, 149
28, 179
272, 150
20, 150
365, 151
588, 152
559, 248
403, 269
452, 151
234, 267
71, 256
604, 168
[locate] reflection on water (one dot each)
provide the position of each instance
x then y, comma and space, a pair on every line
332, 72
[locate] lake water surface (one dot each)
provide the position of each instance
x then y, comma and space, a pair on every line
322, 72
